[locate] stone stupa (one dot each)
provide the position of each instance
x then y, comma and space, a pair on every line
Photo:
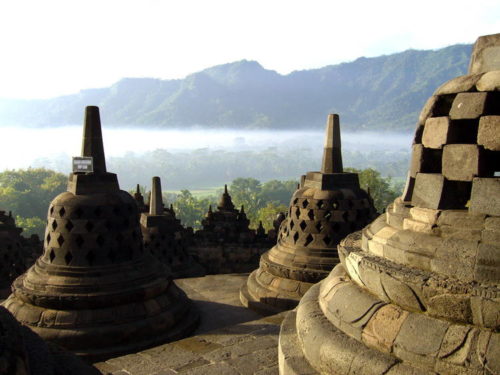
165, 237
95, 291
326, 207
417, 290
11, 253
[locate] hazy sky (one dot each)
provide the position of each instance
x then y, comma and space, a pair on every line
51, 47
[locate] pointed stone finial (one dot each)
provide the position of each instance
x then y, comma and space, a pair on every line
225, 202
137, 190
242, 210
332, 154
156, 202
210, 208
92, 144
298, 186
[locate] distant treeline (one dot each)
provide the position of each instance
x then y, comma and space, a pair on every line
206, 168
28, 193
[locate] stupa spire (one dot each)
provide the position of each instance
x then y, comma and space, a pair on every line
332, 153
92, 144
156, 202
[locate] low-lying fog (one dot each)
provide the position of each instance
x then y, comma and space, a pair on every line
24, 147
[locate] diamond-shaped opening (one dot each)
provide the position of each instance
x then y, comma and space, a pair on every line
89, 226
310, 214
51, 210
60, 240
305, 203
319, 226
302, 225
54, 225
90, 257
335, 205
68, 257
62, 211
327, 240
297, 212
78, 212
79, 241
52, 255
295, 200
112, 256
98, 211
100, 240
320, 203
48, 238
69, 226
295, 237
292, 224
308, 240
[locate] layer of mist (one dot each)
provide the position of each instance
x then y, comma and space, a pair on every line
153, 151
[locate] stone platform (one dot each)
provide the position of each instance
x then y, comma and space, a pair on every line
230, 339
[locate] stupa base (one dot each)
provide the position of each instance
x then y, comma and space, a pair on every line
269, 294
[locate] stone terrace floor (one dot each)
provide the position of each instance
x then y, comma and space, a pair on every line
231, 340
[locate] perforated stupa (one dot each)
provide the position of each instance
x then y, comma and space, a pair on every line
417, 290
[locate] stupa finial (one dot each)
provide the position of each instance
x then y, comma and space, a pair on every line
92, 144
332, 153
156, 201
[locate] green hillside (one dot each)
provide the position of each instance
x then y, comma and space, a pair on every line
385, 92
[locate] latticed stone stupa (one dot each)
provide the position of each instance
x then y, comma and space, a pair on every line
327, 206
165, 237
11, 252
417, 291
139, 199
22, 352
226, 244
95, 291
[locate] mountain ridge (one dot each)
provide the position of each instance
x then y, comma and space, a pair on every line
374, 93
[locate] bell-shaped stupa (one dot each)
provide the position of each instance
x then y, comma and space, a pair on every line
417, 290
95, 291
165, 237
326, 207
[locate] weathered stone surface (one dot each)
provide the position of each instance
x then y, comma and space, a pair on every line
485, 54
427, 109
490, 81
485, 196
458, 84
487, 135
468, 105
428, 191
436, 132
461, 162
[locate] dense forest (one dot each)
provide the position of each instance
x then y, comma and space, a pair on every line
28, 193
385, 92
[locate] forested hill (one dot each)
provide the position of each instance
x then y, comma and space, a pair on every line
385, 92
